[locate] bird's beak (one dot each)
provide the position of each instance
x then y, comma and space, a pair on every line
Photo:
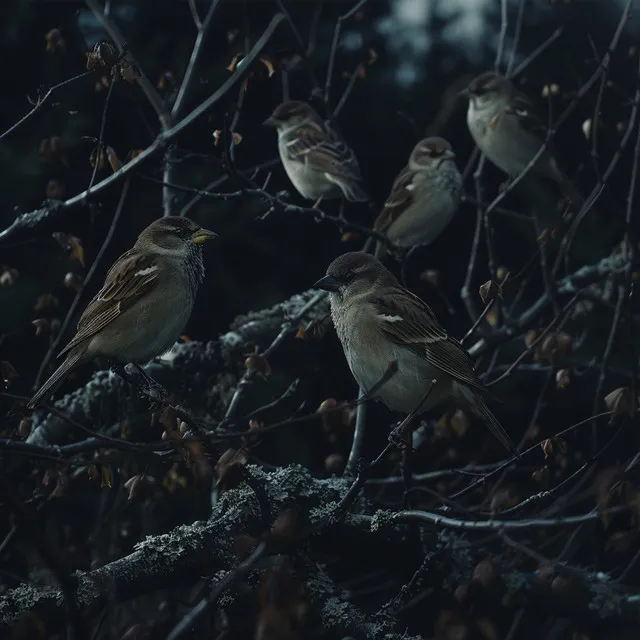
448, 154
465, 93
269, 122
328, 283
201, 235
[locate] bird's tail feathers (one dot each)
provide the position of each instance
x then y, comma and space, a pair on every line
477, 405
351, 190
55, 380
380, 250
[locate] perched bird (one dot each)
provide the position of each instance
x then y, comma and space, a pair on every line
379, 322
145, 302
316, 158
424, 196
503, 123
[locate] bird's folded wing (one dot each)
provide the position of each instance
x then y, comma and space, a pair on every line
408, 321
399, 200
320, 147
523, 108
132, 275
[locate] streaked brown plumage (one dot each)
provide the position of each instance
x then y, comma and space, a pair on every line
316, 158
379, 322
424, 196
144, 303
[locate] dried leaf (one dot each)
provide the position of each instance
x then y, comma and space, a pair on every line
41, 325
105, 476
62, 484
563, 378
490, 291
54, 41
327, 405
459, 423
544, 574
334, 463
166, 81
128, 71
541, 476
230, 469
77, 250
102, 83
174, 480
234, 63
269, 64
55, 190
8, 275
284, 526
621, 402
300, 334
502, 499
257, 362
133, 153
282, 608
554, 347
114, 162
103, 55
485, 574
54, 149
547, 447
24, 428
73, 281
134, 486
99, 158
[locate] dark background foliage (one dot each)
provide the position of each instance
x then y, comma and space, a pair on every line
259, 261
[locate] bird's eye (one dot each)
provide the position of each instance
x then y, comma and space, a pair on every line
348, 277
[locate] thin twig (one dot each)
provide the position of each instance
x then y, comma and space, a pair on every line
72, 309
42, 101
334, 49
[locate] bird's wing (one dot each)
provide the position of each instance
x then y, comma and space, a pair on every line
408, 321
321, 148
399, 200
132, 275
523, 109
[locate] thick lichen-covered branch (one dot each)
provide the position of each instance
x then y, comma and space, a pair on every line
190, 371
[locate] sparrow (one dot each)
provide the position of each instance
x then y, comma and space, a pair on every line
379, 322
145, 302
423, 198
316, 158
504, 125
